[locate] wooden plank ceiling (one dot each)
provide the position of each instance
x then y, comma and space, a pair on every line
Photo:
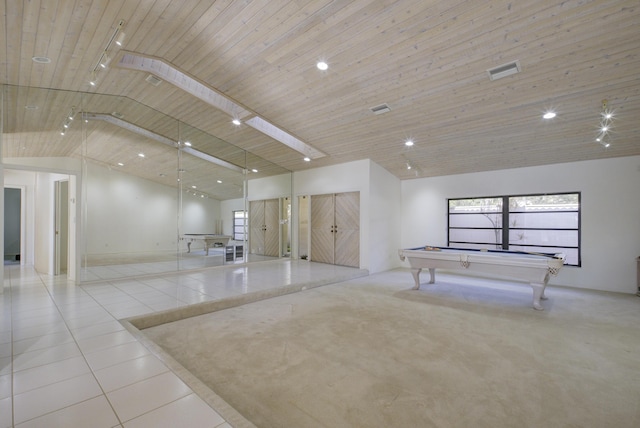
427, 60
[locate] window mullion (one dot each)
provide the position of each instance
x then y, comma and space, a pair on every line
505, 222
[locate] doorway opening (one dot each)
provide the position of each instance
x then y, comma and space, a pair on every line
12, 225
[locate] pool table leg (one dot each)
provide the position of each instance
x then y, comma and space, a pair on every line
538, 294
416, 276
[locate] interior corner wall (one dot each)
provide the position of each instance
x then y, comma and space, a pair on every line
610, 209
384, 219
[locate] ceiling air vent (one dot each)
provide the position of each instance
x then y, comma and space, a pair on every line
382, 108
155, 81
504, 70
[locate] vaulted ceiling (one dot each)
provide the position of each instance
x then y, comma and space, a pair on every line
427, 60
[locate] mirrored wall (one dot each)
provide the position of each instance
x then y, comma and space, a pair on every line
139, 192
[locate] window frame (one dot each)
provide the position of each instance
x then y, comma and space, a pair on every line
244, 224
504, 228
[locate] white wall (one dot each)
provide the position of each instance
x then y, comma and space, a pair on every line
44, 208
379, 206
610, 213
277, 186
200, 215
384, 219
127, 214
346, 177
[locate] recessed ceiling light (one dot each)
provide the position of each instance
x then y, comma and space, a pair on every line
307, 159
141, 155
254, 170
322, 65
604, 128
408, 143
236, 122
219, 181
120, 164
193, 187
549, 115
188, 144
41, 59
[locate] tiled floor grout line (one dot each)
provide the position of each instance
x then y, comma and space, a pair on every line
75, 340
120, 422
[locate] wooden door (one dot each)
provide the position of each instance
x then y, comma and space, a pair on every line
322, 228
256, 227
347, 229
272, 228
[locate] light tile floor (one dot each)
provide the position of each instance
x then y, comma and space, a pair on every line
66, 360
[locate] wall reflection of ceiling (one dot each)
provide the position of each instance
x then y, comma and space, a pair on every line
37, 132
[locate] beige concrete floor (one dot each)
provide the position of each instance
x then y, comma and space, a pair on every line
371, 352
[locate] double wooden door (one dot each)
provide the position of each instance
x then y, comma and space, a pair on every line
335, 229
264, 236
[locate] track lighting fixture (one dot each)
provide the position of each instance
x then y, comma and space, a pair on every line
606, 119
68, 119
105, 60
120, 39
105, 57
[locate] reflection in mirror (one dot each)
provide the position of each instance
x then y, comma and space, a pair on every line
130, 161
154, 194
304, 231
269, 199
211, 172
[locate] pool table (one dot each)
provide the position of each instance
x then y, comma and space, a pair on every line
534, 268
209, 240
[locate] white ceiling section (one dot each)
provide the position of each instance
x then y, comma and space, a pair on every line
426, 59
